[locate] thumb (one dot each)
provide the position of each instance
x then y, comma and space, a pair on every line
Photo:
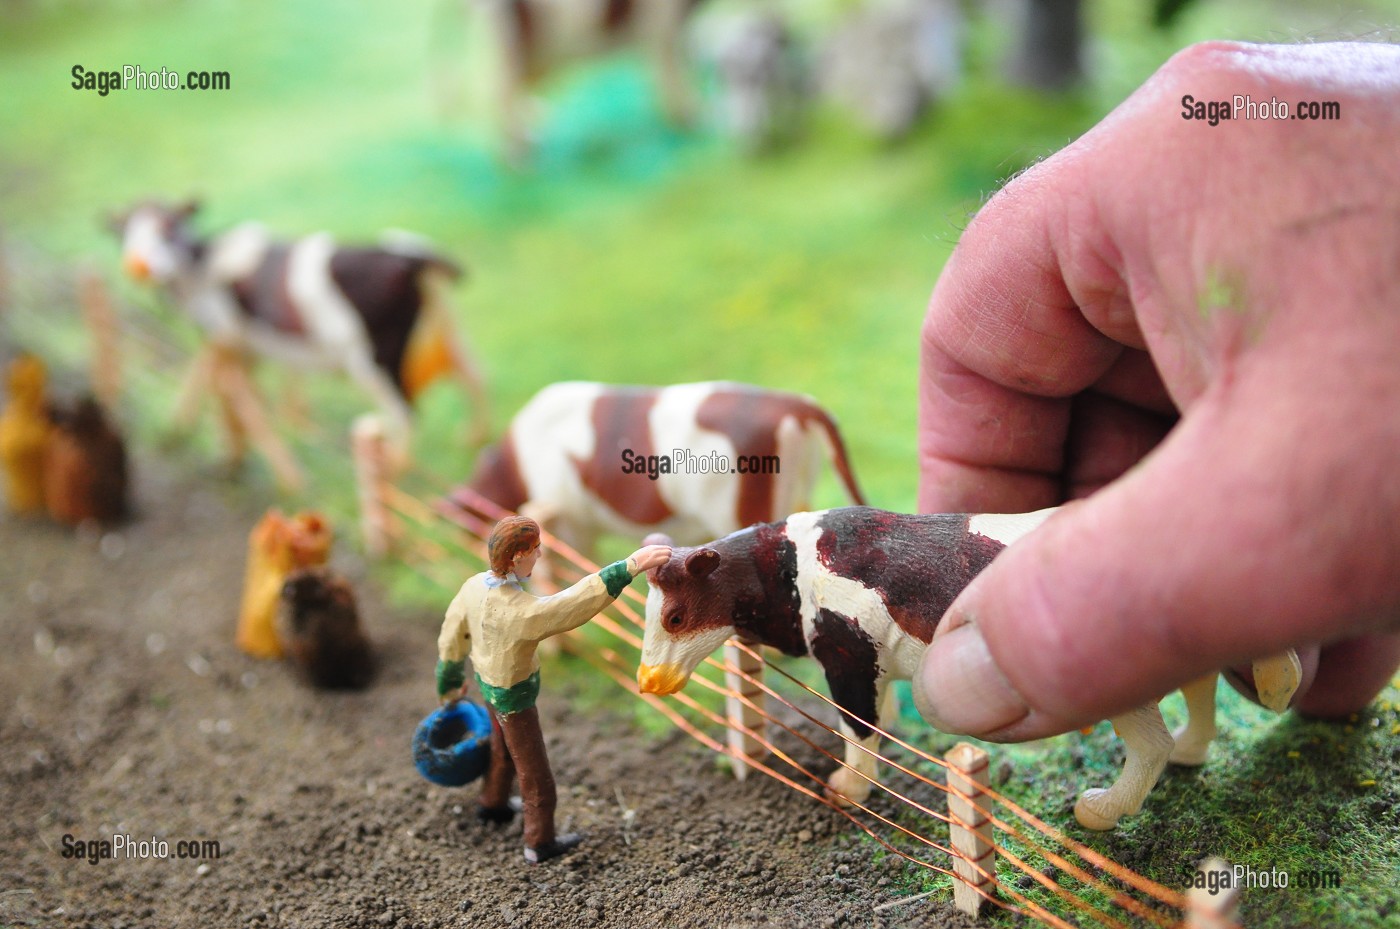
1221, 547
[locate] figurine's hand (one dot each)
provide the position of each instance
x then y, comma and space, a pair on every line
651, 556
1244, 275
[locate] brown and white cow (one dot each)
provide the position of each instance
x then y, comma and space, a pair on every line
536, 37
376, 313
575, 459
862, 591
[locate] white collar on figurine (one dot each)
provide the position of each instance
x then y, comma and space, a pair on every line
494, 580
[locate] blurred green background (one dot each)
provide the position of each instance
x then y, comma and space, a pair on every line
630, 251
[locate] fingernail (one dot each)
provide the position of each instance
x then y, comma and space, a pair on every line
960, 690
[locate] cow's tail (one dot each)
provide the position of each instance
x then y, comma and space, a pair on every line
836, 447
436, 348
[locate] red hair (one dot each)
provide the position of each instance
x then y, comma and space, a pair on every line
512, 537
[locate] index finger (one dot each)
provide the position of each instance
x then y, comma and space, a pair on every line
1005, 345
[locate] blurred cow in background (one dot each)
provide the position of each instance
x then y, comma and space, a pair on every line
762, 78
585, 458
888, 62
536, 37
379, 314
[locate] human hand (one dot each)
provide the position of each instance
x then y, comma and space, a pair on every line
1245, 275
648, 557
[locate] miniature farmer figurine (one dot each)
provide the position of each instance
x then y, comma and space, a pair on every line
495, 620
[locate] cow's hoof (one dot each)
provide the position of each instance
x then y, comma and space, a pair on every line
847, 788
1092, 811
1188, 752
1276, 680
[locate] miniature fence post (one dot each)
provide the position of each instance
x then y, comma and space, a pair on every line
1218, 909
971, 829
740, 713
369, 449
100, 317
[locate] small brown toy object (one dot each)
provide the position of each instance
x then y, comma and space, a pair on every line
85, 467
277, 546
24, 435
320, 629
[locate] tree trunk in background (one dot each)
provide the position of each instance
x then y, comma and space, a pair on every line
1050, 55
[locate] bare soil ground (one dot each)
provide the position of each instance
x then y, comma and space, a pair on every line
127, 710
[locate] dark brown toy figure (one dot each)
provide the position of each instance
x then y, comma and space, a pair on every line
320, 627
85, 467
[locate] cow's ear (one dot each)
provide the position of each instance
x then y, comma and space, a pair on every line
701, 562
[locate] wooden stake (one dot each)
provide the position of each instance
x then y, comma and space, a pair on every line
1213, 910
369, 449
740, 713
100, 317
971, 830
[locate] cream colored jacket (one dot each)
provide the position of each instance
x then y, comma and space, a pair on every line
499, 624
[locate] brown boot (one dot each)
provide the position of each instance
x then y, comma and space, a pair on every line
560, 845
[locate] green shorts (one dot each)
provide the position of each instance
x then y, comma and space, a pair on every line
507, 700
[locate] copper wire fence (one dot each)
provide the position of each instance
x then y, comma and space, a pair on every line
1130, 898
433, 540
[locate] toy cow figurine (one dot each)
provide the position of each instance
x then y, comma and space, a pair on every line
694, 461
862, 591
535, 37
889, 62
377, 313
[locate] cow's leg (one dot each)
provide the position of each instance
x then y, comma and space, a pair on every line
243, 407
193, 389
294, 402
1193, 739
235, 437
514, 98
1276, 679
1144, 734
852, 783
397, 415
889, 709
850, 660
668, 59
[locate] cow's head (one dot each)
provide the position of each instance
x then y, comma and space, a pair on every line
156, 239
689, 614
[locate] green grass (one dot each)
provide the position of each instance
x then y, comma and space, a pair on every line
1291, 794
633, 253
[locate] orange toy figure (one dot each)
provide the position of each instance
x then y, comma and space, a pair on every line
277, 546
24, 434
85, 466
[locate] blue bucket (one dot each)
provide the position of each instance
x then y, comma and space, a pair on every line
452, 746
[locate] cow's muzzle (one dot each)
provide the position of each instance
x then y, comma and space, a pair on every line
661, 679
137, 268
